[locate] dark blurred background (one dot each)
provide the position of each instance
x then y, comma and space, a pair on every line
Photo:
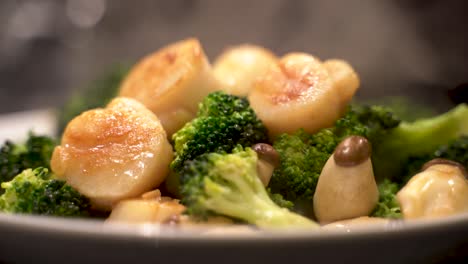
49, 48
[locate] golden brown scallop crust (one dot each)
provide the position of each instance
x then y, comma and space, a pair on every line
345, 79
152, 77
113, 153
238, 67
301, 76
171, 82
295, 93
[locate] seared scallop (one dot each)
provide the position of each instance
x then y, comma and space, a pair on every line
238, 67
113, 153
300, 92
440, 190
151, 207
345, 79
171, 82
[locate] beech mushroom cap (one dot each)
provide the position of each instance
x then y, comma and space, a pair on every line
346, 187
268, 160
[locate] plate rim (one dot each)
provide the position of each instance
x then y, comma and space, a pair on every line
98, 229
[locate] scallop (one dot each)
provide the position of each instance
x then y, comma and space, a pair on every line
238, 67
114, 153
438, 191
147, 209
345, 79
171, 82
301, 92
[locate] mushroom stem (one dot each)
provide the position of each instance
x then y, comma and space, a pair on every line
265, 171
268, 160
346, 187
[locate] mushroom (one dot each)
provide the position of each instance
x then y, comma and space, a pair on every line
268, 160
441, 189
346, 187
150, 208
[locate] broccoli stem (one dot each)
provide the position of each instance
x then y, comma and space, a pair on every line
425, 135
418, 138
253, 205
274, 217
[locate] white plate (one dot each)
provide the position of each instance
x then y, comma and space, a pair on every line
24, 239
15, 126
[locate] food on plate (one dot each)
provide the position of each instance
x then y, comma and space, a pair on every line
96, 94
258, 142
417, 139
171, 82
228, 184
387, 205
151, 207
346, 187
37, 192
454, 150
300, 92
113, 153
16, 157
239, 67
303, 155
268, 161
441, 189
344, 79
222, 122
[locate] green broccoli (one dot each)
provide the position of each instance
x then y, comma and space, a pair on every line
222, 122
393, 144
303, 155
279, 200
456, 150
35, 152
416, 139
97, 94
228, 184
407, 109
35, 192
387, 206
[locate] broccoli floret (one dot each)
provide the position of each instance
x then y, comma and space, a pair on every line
35, 192
416, 139
222, 122
405, 108
97, 94
302, 155
300, 164
387, 206
394, 144
228, 184
456, 150
371, 122
35, 152
279, 200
